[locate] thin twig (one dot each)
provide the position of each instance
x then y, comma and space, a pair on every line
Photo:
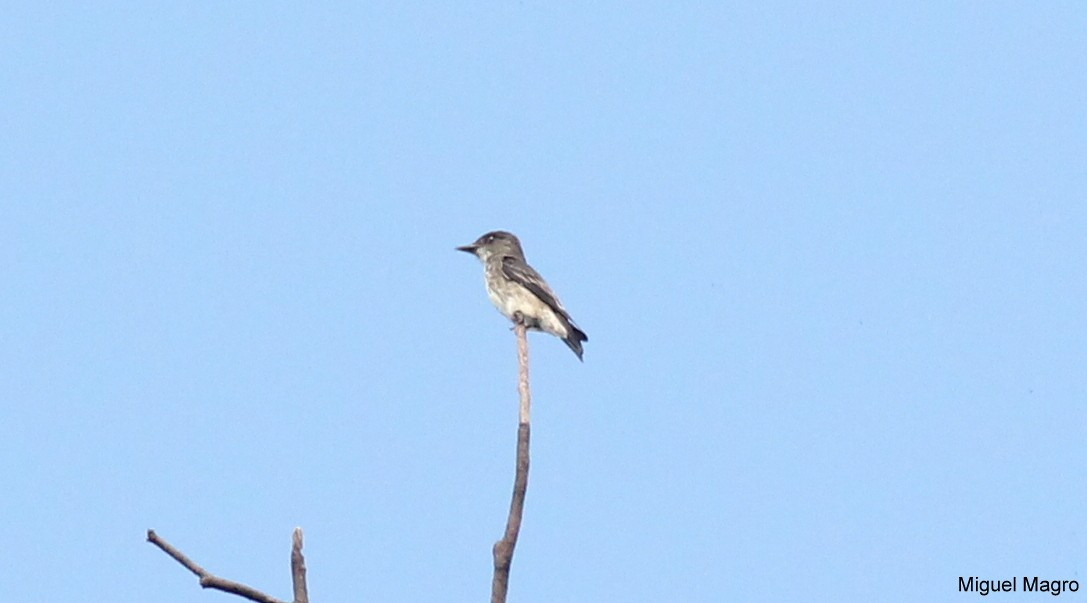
298, 568
208, 580
522, 375
503, 549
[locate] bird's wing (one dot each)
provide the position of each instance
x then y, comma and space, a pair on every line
521, 273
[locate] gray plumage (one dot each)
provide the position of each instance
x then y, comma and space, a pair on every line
519, 292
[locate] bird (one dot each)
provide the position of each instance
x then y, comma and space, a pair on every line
519, 292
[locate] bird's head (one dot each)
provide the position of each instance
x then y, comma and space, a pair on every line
495, 243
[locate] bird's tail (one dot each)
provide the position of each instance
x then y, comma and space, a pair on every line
573, 339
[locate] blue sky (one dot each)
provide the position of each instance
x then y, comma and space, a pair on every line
830, 259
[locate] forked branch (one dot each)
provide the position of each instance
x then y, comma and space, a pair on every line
209, 580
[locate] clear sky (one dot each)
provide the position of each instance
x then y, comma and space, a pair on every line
830, 258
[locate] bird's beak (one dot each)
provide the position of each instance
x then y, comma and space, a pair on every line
468, 249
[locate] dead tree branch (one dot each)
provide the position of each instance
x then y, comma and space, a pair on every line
298, 568
208, 580
503, 549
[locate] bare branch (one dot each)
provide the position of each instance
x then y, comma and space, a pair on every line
503, 549
522, 375
208, 580
298, 568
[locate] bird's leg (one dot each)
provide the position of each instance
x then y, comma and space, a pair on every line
518, 319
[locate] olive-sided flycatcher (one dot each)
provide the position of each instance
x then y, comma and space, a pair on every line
519, 292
